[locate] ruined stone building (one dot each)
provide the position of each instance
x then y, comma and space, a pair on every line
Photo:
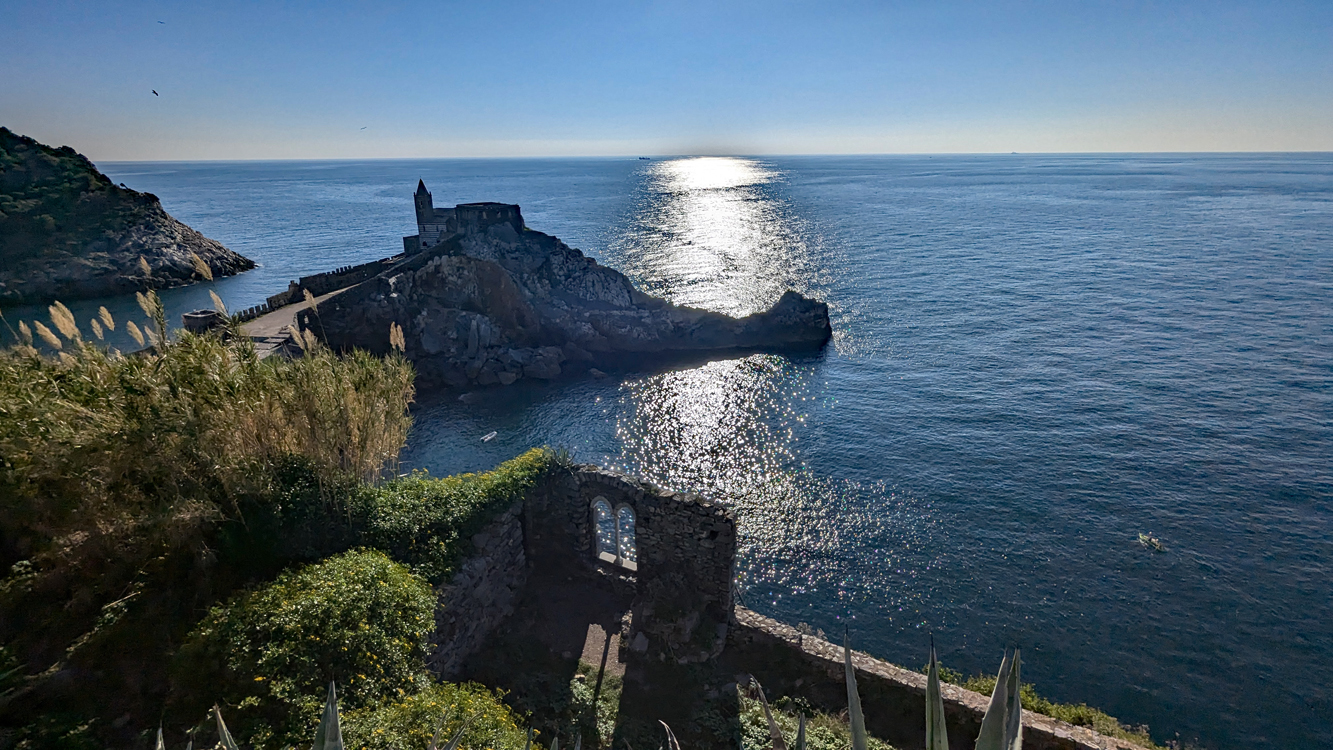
434, 225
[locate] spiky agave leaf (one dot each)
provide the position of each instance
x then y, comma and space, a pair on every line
800, 732
672, 742
1013, 728
858, 720
774, 733
937, 734
224, 737
578, 741
996, 720
555, 742
458, 736
435, 737
329, 736
528, 746
160, 744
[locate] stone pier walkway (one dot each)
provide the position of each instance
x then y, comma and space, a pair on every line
269, 331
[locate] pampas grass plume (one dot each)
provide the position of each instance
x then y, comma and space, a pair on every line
134, 332
45, 334
108, 322
64, 321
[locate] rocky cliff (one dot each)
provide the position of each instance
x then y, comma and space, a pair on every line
499, 304
67, 232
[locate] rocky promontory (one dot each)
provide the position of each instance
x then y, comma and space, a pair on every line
499, 302
68, 232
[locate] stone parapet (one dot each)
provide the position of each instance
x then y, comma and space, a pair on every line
788, 662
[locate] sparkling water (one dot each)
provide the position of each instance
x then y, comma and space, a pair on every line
1035, 360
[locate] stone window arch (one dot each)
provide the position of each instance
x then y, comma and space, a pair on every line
614, 539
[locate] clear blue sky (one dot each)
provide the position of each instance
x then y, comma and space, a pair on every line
296, 80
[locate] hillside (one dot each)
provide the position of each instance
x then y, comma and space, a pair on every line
68, 232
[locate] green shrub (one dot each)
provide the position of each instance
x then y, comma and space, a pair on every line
426, 522
410, 722
358, 618
823, 731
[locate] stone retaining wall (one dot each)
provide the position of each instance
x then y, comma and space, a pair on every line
787, 662
481, 594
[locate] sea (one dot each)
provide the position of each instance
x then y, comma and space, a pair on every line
1036, 360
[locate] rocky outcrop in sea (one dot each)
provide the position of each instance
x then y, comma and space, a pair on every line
499, 303
68, 232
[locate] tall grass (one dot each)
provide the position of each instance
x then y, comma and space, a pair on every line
116, 471
96, 444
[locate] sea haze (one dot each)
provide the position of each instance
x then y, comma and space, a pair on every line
1036, 359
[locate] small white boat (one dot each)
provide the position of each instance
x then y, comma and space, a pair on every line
488, 437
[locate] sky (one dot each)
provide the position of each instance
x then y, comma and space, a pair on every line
354, 80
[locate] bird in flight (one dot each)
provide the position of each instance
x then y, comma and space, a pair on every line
365, 128
161, 21
155, 93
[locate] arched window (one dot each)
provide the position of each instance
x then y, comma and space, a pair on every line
614, 534
626, 549
605, 529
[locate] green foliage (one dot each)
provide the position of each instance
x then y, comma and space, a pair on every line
54, 201
823, 731
116, 473
358, 618
410, 722
425, 522
1077, 714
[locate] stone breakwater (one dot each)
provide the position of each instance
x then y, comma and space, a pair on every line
494, 304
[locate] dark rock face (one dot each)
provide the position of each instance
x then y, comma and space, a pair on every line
499, 305
68, 232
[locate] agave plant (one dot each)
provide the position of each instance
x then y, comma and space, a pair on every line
329, 736
774, 733
937, 734
1001, 727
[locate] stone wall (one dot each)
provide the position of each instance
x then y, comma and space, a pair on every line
686, 552
787, 662
481, 594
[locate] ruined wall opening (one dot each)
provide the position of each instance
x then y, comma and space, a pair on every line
614, 534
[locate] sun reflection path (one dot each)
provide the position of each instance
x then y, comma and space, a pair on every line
717, 233
714, 233
729, 430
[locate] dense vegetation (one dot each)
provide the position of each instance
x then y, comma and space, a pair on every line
162, 510
54, 202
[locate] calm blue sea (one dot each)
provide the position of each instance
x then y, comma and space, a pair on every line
1036, 359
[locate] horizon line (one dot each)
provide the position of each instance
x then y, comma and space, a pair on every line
717, 156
